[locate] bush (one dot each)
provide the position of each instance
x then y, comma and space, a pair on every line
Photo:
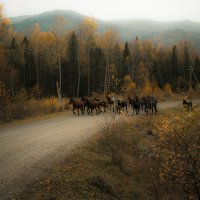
19, 105
167, 90
23, 106
5, 102
178, 148
151, 89
129, 85
42, 106
114, 140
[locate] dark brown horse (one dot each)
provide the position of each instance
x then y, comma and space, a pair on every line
142, 103
110, 101
188, 104
102, 103
135, 103
77, 104
150, 104
91, 105
120, 105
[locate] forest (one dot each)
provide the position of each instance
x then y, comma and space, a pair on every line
83, 61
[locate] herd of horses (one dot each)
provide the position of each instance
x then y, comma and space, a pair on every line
147, 104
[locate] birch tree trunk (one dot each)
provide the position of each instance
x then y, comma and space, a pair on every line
79, 76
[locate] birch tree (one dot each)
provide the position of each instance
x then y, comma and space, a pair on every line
109, 39
87, 33
59, 27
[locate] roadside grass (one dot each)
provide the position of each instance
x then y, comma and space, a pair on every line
121, 162
33, 109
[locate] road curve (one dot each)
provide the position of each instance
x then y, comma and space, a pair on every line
27, 150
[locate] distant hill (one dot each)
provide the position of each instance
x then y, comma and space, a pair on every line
155, 26
167, 32
19, 19
169, 38
46, 20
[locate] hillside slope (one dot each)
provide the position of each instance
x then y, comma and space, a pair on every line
167, 32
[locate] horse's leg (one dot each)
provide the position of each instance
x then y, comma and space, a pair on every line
97, 111
78, 110
100, 111
119, 110
147, 111
88, 110
82, 110
156, 110
73, 111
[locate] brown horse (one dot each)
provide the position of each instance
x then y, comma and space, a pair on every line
77, 104
120, 105
135, 103
102, 104
187, 103
110, 101
91, 104
150, 104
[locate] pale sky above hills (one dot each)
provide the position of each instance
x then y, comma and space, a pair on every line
160, 10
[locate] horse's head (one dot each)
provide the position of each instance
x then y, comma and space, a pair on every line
130, 100
108, 97
70, 101
83, 99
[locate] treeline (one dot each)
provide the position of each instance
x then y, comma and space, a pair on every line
82, 61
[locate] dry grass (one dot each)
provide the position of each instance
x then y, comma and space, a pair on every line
23, 108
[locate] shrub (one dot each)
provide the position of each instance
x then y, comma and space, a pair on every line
114, 140
50, 105
19, 105
5, 102
167, 90
178, 148
151, 89
129, 85
36, 91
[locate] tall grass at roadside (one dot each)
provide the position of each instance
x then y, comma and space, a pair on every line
25, 105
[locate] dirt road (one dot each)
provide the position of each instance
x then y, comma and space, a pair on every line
28, 150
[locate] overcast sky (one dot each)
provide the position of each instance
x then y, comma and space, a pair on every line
161, 10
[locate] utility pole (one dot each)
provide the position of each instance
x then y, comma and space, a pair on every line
195, 78
190, 68
192, 73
